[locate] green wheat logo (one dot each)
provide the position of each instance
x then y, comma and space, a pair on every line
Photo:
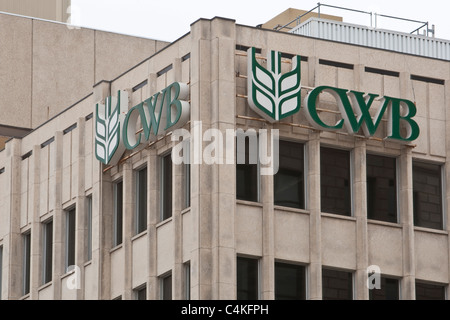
273, 95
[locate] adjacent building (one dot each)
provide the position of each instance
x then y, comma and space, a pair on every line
361, 184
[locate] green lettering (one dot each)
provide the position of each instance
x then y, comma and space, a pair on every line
395, 119
311, 107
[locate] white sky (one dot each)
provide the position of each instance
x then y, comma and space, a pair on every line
169, 20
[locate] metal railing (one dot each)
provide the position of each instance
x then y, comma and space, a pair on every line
373, 19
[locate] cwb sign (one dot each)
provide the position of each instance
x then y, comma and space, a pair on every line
275, 96
116, 127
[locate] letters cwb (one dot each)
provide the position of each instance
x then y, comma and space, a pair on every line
275, 96
117, 129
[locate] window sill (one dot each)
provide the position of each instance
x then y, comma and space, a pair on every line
45, 286
138, 236
25, 297
338, 217
288, 209
68, 274
168, 220
384, 223
429, 230
88, 263
249, 203
184, 211
116, 248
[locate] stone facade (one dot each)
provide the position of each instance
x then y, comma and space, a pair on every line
53, 169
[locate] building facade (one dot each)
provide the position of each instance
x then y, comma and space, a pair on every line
341, 204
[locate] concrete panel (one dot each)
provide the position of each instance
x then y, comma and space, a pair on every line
24, 193
4, 213
43, 199
248, 230
140, 261
88, 156
90, 283
63, 68
66, 174
431, 256
422, 140
385, 248
15, 70
188, 240
291, 236
438, 138
117, 272
66, 283
338, 243
437, 101
46, 293
165, 248
52, 178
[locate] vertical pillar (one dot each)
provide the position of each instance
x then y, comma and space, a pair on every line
58, 220
447, 171
36, 235
315, 225
360, 211
129, 226
153, 290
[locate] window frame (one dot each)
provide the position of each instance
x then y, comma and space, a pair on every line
163, 185
116, 240
26, 263
138, 215
351, 272
258, 164
47, 278
70, 248
89, 227
292, 264
162, 285
258, 273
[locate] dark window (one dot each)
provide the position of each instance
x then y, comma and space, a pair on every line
26, 265
187, 174
70, 238
141, 201
187, 280
141, 293
335, 181
427, 195
1, 269
118, 213
290, 282
429, 291
247, 279
166, 184
289, 180
337, 285
166, 288
247, 168
89, 228
48, 252
381, 188
389, 290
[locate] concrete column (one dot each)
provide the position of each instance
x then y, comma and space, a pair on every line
360, 212
315, 225
58, 220
407, 221
447, 171
81, 217
153, 163
129, 226
36, 234
13, 247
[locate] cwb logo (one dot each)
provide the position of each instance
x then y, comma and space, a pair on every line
116, 127
275, 96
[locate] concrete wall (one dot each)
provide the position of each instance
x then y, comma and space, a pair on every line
46, 67
55, 10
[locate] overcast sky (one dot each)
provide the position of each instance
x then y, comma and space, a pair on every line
169, 20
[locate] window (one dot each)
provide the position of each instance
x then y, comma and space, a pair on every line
427, 195
187, 280
166, 187
335, 181
290, 282
381, 188
118, 213
289, 180
26, 263
141, 201
141, 293
426, 291
187, 174
70, 238
166, 287
247, 176
1, 273
389, 290
48, 252
337, 285
89, 228
247, 279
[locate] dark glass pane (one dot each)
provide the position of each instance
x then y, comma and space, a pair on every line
26, 263
167, 288
427, 196
289, 181
247, 173
167, 187
70, 239
381, 188
89, 228
141, 203
337, 285
335, 181
48, 247
141, 294
389, 290
118, 213
1, 270
247, 279
290, 282
429, 291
